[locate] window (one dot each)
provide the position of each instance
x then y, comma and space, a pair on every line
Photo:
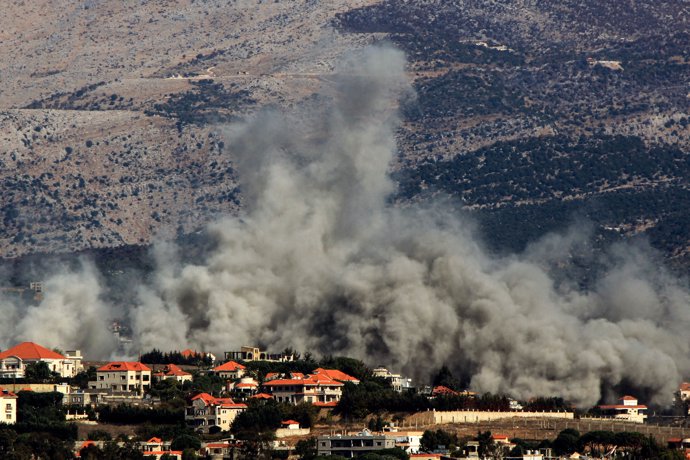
145, 377
123, 377
100, 377
8, 416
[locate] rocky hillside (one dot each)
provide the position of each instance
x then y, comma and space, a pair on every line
529, 113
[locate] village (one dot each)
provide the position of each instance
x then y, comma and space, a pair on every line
256, 404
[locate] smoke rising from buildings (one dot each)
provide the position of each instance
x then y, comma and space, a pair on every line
319, 262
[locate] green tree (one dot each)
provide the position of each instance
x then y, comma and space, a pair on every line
306, 448
38, 372
566, 442
186, 441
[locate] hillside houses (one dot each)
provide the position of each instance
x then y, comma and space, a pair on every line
123, 376
13, 361
208, 414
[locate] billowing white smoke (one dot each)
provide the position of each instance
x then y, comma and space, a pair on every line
320, 263
70, 316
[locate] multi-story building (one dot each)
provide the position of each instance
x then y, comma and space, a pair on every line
350, 446
122, 376
256, 354
315, 388
13, 361
398, 383
8, 407
207, 413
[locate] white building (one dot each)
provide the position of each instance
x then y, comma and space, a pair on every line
627, 409
207, 412
8, 405
398, 383
122, 376
13, 361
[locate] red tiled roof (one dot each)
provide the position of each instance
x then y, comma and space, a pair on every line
336, 375
189, 353
84, 445
628, 398
312, 380
325, 404
30, 350
121, 366
173, 370
262, 396
441, 390
289, 422
230, 366
6, 393
296, 375
226, 403
272, 375
207, 398
154, 440
685, 386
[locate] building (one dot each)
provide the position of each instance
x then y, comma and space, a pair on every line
244, 387
230, 370
256, 354
350, 446
315, 389
8, 403
122, 376
157, 448
173, 372
627, 409
398, 383
13, 361
336, 375
409, 441
207, 414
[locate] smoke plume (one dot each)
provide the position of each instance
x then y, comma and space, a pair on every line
319, 262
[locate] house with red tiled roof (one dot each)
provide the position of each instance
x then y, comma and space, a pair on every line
230, 370
156, 448
264, 396
13, 361
627, 409
206, 413
173, 372
123, 376
313, 388
218, 450
8, 407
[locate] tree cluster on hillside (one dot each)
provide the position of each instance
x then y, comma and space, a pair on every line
156, 356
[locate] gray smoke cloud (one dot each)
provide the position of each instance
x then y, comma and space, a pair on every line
71, 315
319, 262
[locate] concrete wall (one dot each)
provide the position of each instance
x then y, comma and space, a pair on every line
284, 432
468, 416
